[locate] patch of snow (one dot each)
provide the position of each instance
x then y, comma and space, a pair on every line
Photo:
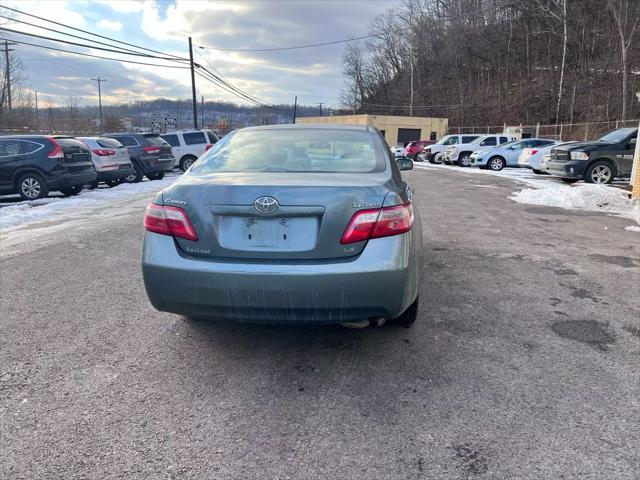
596, 198
23, 213
632, 228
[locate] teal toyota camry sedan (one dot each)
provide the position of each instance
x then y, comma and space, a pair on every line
302, 224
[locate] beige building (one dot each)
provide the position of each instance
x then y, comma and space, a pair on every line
396, 130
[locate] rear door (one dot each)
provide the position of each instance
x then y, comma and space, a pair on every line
10, 156
624, 156
195, 143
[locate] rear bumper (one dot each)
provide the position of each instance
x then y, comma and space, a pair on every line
571, 169
71, 179
155, 165
381, 282
116, 174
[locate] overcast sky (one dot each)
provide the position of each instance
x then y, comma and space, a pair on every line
314, 74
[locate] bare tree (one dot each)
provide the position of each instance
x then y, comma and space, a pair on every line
626, 15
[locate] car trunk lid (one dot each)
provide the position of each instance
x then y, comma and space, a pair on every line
279, 216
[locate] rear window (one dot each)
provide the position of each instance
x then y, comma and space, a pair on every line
155, 140
71, 143
127, 141
194, 138
108, 143
295, 150
468, 139
172, 140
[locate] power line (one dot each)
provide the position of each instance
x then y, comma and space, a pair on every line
94, 34
99, 56
345, 40
120, 49
67, 42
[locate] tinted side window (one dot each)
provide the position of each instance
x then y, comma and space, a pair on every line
9, 148
171, 140
30, 147
213, 139
503, 140
468, 139
544, 142
194, 138
488, 141
451, 141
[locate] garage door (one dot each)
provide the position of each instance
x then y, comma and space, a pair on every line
406, 135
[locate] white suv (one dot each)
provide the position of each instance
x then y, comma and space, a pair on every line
461, 154
433, 153
188, 145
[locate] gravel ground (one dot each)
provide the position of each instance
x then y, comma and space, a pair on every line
524, 362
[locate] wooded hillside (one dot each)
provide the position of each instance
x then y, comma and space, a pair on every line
487, 62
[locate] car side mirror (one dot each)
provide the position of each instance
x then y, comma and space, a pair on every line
405, 163
632, 144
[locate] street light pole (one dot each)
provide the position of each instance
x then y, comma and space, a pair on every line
99, 80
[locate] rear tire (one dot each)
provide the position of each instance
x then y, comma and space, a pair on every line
600, 172
32, 186
155, 176
71, 191
135, 177
92, 186
186, 162
496, 164
417, 158
570, 180
113, 183
409, 316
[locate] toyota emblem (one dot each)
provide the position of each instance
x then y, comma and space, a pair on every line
266, 205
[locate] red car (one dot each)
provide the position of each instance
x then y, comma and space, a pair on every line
414, 148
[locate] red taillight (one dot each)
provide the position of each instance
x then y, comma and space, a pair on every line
533, 151
209, 145
377, 223
57, 149
152, 149
103, 152
167, 220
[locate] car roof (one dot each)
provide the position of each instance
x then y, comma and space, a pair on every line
319, 126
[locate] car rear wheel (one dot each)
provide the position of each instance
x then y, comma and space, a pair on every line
599, 172
136, 176
92, 186
113, 183
417, 158
155, 176
186, 162
496, 164
464, 160
32, 186
70, 191
408, 317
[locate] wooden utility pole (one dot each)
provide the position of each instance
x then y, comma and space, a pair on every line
35, 92
295, 108
99, 80
320, 103
194, 102
8, 71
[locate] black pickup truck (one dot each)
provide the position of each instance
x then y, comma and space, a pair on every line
597, 161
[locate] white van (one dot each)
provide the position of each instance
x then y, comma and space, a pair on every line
188, 145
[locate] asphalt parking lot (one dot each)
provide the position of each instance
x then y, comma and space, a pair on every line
524, 362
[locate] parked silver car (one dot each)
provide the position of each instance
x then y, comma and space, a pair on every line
110, 159
287, 224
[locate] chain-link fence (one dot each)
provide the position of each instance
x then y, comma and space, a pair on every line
561, 131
